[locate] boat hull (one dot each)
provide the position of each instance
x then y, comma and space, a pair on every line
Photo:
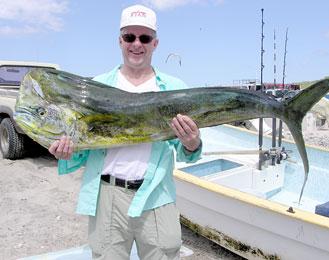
252, 227
230, 207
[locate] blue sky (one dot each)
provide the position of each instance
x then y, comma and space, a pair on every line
218, 40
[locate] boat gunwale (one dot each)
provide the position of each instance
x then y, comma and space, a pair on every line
276, 207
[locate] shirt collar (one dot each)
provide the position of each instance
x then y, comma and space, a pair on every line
159, 81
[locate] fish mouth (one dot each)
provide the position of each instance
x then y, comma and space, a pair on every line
20, 109
28, 128
20, 115
25, 119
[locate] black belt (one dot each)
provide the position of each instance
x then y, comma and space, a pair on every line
132, 185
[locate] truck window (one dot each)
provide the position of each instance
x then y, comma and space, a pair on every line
13, 75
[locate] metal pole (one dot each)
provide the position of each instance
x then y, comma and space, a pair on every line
274, 119
283, 78
260, 132
274, 58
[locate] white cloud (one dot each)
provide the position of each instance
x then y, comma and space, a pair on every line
10, 30
167, 4
29, 16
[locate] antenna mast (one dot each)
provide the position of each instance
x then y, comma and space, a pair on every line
260, 132
274, 59
284, 58
274, 119
283, 77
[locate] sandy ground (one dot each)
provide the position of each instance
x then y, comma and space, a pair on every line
38, 210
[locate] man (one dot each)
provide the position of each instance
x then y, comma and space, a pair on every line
129, 192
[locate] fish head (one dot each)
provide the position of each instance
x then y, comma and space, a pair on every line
37, 113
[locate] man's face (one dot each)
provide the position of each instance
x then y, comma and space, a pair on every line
136, 54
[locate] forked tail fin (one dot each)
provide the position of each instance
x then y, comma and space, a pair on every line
296, 109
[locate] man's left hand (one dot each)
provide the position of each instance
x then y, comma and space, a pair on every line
187, 131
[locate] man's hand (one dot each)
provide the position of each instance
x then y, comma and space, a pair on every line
187, 131
62, 149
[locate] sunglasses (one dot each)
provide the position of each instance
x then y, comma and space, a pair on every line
129, 37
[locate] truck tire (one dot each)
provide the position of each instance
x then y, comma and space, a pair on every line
11, 142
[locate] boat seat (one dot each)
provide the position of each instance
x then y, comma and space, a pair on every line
322, 209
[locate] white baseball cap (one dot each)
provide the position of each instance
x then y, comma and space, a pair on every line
138, 15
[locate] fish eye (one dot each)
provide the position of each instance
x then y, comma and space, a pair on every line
41, 111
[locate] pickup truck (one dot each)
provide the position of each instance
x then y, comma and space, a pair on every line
13, 142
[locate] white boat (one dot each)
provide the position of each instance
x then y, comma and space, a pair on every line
255, 213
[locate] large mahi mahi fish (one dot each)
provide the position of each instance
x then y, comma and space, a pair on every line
54, 103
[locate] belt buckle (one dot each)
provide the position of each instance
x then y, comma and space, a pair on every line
112, 180
126, 183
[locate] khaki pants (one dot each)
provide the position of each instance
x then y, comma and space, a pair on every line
111, 232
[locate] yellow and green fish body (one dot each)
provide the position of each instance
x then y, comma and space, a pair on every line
54, 103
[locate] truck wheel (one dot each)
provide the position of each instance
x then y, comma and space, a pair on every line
11, 142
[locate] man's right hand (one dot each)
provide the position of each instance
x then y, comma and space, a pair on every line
63, 148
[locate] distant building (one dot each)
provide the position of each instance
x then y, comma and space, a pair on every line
278, 90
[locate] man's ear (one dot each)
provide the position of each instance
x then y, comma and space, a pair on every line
120, 42
156, 42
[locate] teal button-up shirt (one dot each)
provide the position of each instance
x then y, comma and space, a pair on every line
158, 187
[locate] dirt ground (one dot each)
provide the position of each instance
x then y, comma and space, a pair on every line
38, 212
